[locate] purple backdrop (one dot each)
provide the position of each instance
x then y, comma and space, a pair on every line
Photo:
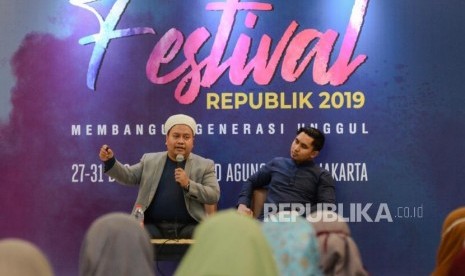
383, 79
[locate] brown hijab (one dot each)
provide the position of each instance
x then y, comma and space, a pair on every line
457, 267
116, 244
339, 255
22, 258
452, 238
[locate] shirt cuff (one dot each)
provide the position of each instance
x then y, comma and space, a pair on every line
109, 164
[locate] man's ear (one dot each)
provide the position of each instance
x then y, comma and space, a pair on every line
314, 154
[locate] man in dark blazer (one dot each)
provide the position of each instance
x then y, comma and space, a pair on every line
174, 185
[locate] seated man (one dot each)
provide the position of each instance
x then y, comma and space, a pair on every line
174, 185
292, 182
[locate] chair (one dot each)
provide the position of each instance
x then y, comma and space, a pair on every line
258, 199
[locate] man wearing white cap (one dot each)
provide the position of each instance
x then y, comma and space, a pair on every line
174, 185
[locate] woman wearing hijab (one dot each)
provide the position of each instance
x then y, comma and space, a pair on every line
228, 244
339, 252
116, 244
457, 267
22, 258
294, 244
452, 239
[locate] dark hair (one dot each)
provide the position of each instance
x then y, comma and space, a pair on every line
318, 137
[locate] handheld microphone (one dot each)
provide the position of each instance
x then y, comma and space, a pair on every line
179, 160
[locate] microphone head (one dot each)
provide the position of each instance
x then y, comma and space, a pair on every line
179, 158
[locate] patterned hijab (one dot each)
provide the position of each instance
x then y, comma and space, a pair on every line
116, 244
228, 243
452, 238
294, 244
339, 252
22, 258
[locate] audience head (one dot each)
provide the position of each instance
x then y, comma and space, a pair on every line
457, 267
228, 244
339, 252
452, 239
116, 244
22, 258
294, 244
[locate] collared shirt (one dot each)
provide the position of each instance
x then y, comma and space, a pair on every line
289, 182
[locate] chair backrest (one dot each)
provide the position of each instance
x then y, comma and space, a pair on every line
258, 199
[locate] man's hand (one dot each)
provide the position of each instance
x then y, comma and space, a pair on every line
105, 153
244, 210
181, 177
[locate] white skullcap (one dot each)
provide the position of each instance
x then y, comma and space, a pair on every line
180, 119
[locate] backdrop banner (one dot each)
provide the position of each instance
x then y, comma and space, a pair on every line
382, 79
